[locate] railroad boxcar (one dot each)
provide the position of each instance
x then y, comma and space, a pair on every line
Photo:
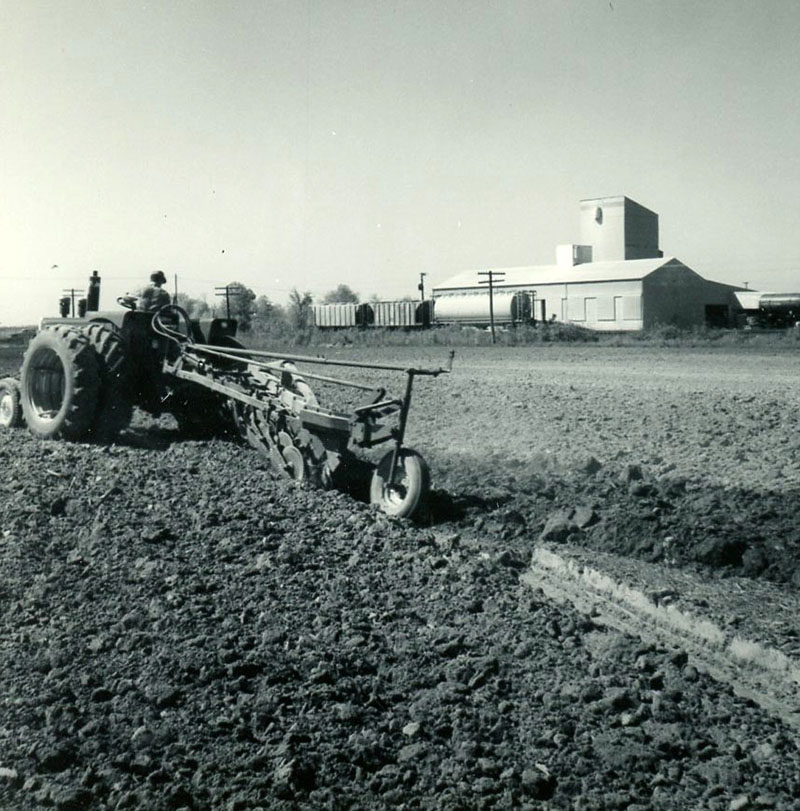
383, 314
334, 315
402, 313
342, 316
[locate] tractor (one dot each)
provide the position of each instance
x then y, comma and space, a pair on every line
82, 376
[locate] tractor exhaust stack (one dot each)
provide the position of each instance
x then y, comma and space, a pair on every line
93, 296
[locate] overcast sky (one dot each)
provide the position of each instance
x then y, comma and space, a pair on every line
307, 144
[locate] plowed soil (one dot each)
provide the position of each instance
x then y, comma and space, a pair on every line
182, 630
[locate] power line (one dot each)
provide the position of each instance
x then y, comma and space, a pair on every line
491, 274
226, 292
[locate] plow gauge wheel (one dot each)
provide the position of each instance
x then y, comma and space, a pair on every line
406, 495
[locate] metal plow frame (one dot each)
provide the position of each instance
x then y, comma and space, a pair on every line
276, 411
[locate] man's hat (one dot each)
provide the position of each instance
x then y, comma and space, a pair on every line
159, 277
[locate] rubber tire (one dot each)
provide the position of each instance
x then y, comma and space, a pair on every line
114, 407
10, 406
60, 384
415, 478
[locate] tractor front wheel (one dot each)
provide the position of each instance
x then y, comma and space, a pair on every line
60, 384
10, 408
406, 495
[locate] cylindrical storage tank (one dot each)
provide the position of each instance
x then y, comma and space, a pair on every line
334, 315
780, 309
82, 308
93, 296
473, 308
779, 301
64, 306
395, 313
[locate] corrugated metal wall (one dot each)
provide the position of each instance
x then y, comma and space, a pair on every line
395, 313
334, 315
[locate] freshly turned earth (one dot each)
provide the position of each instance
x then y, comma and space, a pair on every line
181, 630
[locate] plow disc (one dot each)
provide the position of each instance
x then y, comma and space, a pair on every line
293, 451
276, 411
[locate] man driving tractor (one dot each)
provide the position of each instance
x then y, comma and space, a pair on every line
153, 296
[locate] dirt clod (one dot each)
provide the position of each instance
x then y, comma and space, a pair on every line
181, 630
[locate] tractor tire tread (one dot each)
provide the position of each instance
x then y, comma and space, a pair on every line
76, 415
114, 407
13, 418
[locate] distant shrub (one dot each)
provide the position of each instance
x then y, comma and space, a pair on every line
452, 335
670, 335
282, 332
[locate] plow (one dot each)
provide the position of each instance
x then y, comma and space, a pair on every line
81, 378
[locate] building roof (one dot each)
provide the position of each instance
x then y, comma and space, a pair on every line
613, 200
621, 270
748, 299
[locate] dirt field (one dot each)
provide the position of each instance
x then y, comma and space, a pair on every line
725, 417
10, 358
697, 449
180, 630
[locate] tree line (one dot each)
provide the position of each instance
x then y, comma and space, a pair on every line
261, 315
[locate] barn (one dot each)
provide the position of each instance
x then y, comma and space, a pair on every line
616, 279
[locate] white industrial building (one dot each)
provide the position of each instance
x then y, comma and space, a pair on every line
615, 279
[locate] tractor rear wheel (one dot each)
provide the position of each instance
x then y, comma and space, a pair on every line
60, 384
10, 408
114, 408
407, 495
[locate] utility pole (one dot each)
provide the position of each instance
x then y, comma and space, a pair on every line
492, 276
421, 286
226, 292
175, 297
